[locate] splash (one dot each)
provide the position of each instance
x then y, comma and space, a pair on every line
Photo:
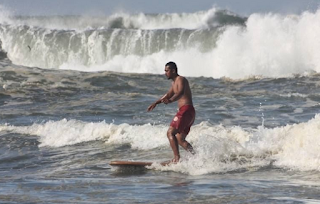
122, 20
270, 45
219, 149
266, 45
5, 15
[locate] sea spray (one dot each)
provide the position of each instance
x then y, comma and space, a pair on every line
219, 148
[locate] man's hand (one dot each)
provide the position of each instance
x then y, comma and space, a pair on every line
152, 106
166, 101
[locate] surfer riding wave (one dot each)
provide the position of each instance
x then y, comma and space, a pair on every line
180, 126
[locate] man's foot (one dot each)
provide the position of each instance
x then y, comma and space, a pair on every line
190, 149
175, 160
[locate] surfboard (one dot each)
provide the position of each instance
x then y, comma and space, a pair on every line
135, 163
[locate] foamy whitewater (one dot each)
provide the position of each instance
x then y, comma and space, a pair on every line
74, 92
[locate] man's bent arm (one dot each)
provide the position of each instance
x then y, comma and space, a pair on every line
168, 95
179, 93
161, 99
165, 97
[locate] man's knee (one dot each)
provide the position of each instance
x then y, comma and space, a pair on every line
181, 138
171, 132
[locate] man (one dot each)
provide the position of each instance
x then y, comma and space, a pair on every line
181, 123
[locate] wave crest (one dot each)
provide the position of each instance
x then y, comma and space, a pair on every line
219, 148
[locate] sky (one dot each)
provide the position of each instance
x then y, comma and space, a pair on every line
108, 7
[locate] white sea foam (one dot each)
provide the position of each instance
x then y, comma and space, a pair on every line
118, 20
270, 45
227, 149
219, 148
298, 95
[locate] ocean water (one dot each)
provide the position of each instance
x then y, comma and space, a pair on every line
74, 91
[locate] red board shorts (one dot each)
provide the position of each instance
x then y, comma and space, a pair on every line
184, 118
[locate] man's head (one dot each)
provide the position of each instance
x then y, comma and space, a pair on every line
171, 70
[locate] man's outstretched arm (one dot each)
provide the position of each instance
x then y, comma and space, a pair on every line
160, 100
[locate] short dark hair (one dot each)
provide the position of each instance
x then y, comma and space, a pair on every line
172, 65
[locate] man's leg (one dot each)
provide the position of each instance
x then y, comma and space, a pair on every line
171, 134
181, 138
